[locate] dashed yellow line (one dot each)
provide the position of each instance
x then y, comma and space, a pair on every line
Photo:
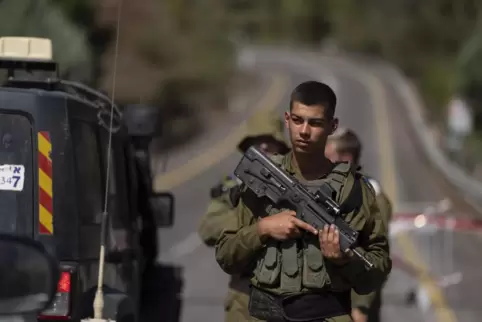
388, 171
222, 149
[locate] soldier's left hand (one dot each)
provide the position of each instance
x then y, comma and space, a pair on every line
330, 243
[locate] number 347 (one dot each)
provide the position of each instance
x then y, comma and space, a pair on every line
10, 180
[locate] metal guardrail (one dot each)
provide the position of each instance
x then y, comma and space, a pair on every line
471, 188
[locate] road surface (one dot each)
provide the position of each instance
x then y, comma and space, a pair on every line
371, 104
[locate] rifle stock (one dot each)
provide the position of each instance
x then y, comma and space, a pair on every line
266, 179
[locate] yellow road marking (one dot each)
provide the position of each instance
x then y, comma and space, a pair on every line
222, 149
388, 171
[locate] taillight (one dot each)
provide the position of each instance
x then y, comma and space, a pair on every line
60, 308
64, 283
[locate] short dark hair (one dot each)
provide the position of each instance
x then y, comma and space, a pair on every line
314, 93
346, 141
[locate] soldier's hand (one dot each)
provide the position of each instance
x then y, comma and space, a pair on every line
283, 226
358, 316
330, 243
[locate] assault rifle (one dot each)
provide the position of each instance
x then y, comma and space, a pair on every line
261, 175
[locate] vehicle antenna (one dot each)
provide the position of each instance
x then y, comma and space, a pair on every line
99, 295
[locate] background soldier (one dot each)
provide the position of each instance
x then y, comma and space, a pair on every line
266, 132
344, 145
298, 272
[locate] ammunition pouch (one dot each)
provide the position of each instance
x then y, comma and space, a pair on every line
304, 307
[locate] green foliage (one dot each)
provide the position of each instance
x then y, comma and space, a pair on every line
178, 54
295, 22
81, 12
38, 18
422, 37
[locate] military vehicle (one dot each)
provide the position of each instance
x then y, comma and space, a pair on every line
57, 186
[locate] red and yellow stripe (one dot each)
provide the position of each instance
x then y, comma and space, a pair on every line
45, 184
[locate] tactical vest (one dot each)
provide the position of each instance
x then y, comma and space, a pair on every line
292, 265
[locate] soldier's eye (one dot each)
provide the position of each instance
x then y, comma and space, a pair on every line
297, 120
317, 123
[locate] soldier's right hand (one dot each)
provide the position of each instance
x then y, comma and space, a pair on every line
283, 226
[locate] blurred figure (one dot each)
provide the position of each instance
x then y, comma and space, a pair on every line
344, 145
266, 132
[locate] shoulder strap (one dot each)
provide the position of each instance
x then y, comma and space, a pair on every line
354, 199
339, 178
345, 180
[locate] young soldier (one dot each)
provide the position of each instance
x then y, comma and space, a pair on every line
344, 145
298, 272
266, 132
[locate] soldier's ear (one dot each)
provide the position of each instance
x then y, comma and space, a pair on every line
334, 125
287, 119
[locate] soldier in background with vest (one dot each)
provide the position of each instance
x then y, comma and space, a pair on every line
266, 132
344, 145
297, 272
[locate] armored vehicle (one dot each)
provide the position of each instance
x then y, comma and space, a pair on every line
57, 186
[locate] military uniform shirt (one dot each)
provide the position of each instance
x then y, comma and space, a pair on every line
239, 245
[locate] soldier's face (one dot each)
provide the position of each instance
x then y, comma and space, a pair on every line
331, 153
269, 147
309, 127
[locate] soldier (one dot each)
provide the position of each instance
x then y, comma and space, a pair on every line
266, 132
299, 273
344, 145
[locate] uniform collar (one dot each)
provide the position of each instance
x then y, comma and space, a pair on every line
288, 165
293, 169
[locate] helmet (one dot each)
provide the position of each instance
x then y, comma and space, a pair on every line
264, 126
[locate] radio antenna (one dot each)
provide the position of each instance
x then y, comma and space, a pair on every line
99, 295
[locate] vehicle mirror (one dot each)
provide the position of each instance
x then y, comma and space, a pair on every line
28, 278
162, 204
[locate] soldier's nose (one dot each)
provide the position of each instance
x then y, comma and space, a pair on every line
305, 130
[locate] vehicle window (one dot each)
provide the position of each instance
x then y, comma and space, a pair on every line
88, 172
16, 177
119, 224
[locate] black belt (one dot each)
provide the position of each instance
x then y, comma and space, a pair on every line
304, 307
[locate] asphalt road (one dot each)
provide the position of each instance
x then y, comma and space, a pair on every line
371, 104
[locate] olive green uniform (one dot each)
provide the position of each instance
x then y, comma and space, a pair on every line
371, 304
297, 266
225, 197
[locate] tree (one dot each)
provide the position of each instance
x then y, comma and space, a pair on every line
39, 18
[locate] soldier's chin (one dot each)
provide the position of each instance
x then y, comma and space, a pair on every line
302, 148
